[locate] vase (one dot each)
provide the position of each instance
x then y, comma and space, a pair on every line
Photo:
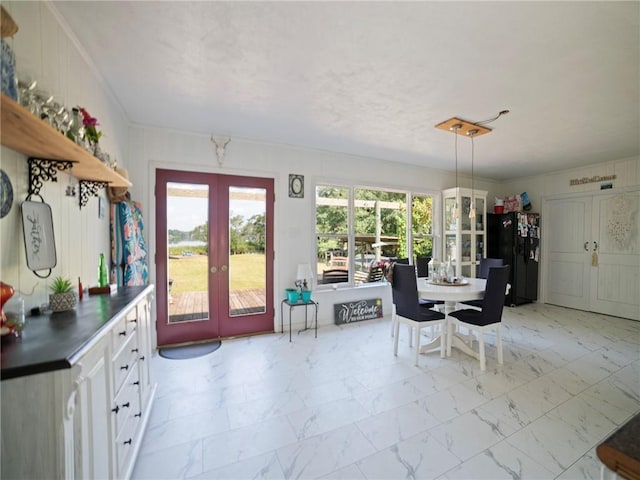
61, 302
292, 295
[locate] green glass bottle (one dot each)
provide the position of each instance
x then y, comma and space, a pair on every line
103, 279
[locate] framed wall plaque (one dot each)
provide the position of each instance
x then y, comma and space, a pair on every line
39, 242
296, 186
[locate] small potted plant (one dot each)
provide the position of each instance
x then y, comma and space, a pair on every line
62, 296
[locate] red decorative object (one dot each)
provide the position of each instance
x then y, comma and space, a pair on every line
6, 292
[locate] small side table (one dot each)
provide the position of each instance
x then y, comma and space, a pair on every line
291, 307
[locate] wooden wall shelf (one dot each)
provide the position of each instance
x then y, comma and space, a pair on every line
25, 133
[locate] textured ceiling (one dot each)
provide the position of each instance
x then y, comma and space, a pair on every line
373, 79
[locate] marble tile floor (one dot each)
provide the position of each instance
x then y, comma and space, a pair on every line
343, 407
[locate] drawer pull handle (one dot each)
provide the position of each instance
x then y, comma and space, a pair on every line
124, 367
134, 350
139, 414
116, 410
125, 405
127, 442
137, 382
142, 357
123, 333
135, 320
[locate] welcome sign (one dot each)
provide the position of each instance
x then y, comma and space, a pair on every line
358, 311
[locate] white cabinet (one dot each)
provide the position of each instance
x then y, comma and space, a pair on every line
464, 236
86, 421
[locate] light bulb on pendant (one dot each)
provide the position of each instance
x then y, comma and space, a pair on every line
456, 211
472, 211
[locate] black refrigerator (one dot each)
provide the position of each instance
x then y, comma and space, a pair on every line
515, 237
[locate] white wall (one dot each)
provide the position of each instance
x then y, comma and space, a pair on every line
627, 172
46, 53
152, 148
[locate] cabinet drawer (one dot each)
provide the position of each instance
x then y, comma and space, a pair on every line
123, 330
127, 402
125, 361
126, 444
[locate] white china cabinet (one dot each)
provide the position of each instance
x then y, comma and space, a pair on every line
465, 237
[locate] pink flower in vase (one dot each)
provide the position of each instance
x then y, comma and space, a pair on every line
90, 123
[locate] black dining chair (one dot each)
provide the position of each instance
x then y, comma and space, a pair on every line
423, 303
489, 318
422, 266
407, 310
483, 272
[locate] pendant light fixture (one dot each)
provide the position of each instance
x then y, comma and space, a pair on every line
471, 130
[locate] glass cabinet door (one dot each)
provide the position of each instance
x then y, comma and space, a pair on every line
465, 221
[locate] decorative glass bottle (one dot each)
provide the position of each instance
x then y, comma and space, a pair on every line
103, 279
76, 129
450, 272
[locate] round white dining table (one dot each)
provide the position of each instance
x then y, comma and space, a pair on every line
473, 289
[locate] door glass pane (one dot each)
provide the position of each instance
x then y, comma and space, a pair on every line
187, 241
247, 251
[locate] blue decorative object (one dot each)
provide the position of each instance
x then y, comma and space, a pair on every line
8, 73
292, 295
6, 194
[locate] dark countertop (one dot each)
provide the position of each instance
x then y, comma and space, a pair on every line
621, 451
56, 341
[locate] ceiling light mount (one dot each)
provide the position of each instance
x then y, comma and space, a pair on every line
466, 128
462, 127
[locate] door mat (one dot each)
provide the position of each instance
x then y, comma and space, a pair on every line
189, 351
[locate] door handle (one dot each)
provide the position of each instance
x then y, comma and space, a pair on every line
586, 246
223, 268
595, 246
214, 269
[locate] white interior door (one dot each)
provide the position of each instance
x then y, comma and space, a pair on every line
615, 282
593, 253
567, 234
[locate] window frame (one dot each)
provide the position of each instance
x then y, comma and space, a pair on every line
351, 235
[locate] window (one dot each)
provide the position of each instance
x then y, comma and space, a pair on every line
359, 230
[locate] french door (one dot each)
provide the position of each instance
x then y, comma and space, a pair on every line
593, 245
214, 256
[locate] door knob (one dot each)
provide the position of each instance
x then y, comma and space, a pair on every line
214, 269
223, 268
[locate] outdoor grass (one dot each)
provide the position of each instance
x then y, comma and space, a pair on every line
189, 274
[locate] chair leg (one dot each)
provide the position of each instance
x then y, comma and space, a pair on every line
410, 332
499, 343
483, 360
417, 329
396, 329
393, 324
443, 339
449, 336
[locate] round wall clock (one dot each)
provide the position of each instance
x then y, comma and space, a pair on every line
296, 185
6, 194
